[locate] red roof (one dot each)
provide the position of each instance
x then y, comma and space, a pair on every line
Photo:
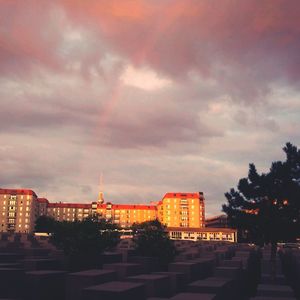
202, 229
129, 206
43, 200
17, 192
182, 195
69, 205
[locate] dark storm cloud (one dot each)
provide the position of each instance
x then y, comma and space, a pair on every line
223, 91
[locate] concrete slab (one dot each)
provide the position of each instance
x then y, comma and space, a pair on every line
212, 285
177, 281
12, 282
156, 284
116, 290
274, 290
45, 284
33, 264
76, 282
228, 272
193, 296
124, 269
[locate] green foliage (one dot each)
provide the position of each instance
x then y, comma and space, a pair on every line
44, 224
267, 205
151, 239
84, 241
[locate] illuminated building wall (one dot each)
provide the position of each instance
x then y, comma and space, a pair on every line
69, 211
127, 214
18, 209
182, 210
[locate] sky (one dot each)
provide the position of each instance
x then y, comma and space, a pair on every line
158, 96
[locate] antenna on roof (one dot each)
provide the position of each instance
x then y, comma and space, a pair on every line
100, 194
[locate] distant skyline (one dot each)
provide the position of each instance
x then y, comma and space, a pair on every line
158, 96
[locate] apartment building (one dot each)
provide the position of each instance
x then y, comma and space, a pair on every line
126, 214
69, 211
203, 234
182, 210
219, 221
18, 209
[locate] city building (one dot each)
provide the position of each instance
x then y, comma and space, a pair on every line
182, 210
127, 214
18, 210
219, 221
69, 211
21, 207
203, 234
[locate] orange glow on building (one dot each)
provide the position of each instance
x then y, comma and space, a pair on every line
180, 210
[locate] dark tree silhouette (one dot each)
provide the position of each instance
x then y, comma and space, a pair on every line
84, 241
44, 224
151, 239
267, 205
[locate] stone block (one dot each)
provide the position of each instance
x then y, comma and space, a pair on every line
194, 296
228, 272
271, 290
273, 298
279, 279
190, 270
156, 284
10, 257
110, 257
148, 264
12, 282
220, 287
45, 284
237, 263
33, 264
76, 282
177, 281
124, 269
115, 290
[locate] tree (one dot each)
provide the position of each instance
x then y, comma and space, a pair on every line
151, 239
267, 205
84, 241
44, 224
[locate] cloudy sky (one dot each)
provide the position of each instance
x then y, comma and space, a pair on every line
159, 96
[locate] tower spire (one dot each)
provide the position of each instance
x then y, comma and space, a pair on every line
100, 195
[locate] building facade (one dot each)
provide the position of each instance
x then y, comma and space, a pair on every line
69, 211
125, 215
182, 210
219, 221
18, 210
21, 207
203, 234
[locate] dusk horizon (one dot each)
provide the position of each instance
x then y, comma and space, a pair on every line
175, 96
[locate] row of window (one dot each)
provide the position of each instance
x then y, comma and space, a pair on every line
13, 197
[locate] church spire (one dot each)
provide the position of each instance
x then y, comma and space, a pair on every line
100, 195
